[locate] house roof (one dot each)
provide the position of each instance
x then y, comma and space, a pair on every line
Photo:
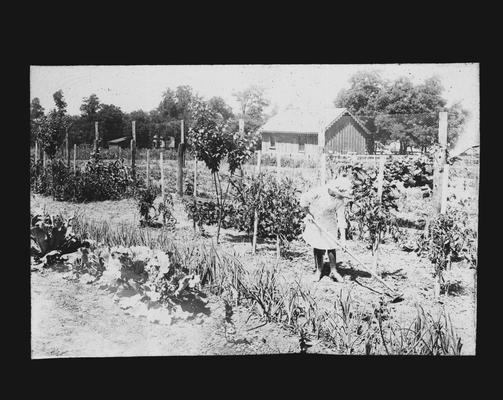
119, 140
303, 121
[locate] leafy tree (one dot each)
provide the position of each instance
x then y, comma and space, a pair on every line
362, 99
143, 138
252, 105
218, 104
53, 128
212, 140
399, 110
36, 117
174, 106
456, 119
89, 115
111, 122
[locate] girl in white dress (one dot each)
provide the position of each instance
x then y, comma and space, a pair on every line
326, 205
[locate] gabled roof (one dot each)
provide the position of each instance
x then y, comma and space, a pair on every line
118, 140
303, 121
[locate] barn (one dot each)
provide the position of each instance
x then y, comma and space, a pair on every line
333, 130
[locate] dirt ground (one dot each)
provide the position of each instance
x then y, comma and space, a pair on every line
71, 319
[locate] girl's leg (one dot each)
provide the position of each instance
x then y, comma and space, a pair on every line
318, 262
333, 266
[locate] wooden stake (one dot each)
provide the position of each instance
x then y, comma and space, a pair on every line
278, 165
148, 168
380, 177
43, 158
445, 189
36, 152
74, 158
161, 165
179, 186
67, 150
195, 177
255, 215
133, 150
96, 137
439, 162
323, 168
182, 136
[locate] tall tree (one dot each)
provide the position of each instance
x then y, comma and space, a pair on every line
111, 122
143, 134
252, 103
219, 105
89, 115
36, 117
53, 128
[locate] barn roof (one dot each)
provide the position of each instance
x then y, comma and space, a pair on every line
303, 121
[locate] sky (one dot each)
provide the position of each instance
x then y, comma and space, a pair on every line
307, 86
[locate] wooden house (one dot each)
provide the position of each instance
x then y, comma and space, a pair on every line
333, 130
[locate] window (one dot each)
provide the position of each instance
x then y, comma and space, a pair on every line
273, 142
302, 144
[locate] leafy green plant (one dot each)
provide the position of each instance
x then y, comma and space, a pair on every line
372, 216
279, 213
447, 239
213, 139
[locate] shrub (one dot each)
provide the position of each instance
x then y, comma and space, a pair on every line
372, 217
447, 239
279, 213
98, 180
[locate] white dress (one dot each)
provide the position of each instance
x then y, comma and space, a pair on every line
324, 208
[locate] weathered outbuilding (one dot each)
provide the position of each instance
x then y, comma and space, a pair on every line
333, 130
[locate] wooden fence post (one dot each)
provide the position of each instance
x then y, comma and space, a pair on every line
148, 168
67, 150
255, 215
74, 158
278, 165
440, 162
380, 182
179, 183
380, 177
182, 137
323, 168
133, 150
96, 138
195, 176
161, 165
445, 189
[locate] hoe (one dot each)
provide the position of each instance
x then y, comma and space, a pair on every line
395, 297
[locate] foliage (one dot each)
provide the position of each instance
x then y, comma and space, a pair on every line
447, 239
252, 104
207, 213
212, 140
277, 205
399, 110
36, 117
412, 171
49, 233
98, 181
372, 216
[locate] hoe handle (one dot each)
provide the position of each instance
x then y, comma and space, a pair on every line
330, 236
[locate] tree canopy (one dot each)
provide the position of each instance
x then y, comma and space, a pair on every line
399, 110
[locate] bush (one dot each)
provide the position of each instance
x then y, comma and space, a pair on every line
447, 239
97, 181
206, 213
277, 205
372, 217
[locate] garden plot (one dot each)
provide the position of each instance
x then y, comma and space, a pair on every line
404, 271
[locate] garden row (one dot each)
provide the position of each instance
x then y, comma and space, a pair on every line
159, 281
